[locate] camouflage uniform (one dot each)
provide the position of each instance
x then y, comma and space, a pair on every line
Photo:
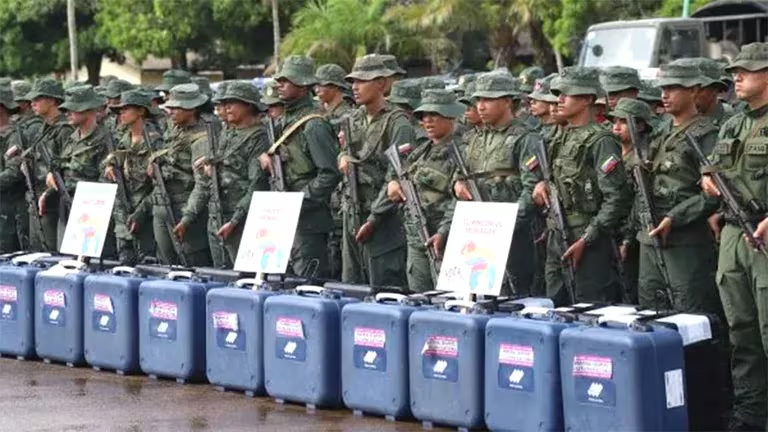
333, 75
113, 90
712, 74
29, 122
431, 83
12, 204
525, 82
172, 78
406, 94
619, 79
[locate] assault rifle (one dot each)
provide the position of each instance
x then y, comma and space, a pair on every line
355, 213
413, 207
64, 196
277, 180
213, 146
29, 181
122, 187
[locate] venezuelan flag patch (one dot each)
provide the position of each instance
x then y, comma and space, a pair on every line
532, 163
609, 164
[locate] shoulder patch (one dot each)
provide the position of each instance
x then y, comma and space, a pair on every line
609, 164
532, 163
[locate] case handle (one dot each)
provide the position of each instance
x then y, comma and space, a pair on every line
309, 289
180, 274
531, 311
124, 270
29, 258
387, 296
450, 304
248, 283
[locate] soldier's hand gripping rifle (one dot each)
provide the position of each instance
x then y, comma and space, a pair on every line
558, 216
413, 209
353, 181
647, 211
277, 179
213, 146
122, 187
730, 200
157, 175
29, 181
65, 199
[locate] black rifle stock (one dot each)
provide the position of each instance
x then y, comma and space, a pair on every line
213, 147
122, 187
277, 179
65, 198
29, 181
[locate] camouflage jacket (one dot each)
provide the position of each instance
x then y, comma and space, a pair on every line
81, 156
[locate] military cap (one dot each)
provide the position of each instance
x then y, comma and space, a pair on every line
106, 79
711, 72
575, 81
368, 68
116, 87
466, 98
186, 96
619, 78
82, 98
271, 97
244, 92
406, 92
628, 107
46, 87
464, 81
151, 91
541, 90
134, 97
72, 84
494, 85
679, 73
20, 90
752, 57
204, 84
528, 78
390, 62
299, 70
6, 97
440, 101
649, 92
331, 74
220, 89
432, 82
172, 78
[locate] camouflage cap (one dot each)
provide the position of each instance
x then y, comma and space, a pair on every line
528, 78
469, 90
82, 98
46, 87
151, 91
244, 92
6, 97
619, 78
494, 85
390, 62
406, 92
541, 90
172, 78
221, 87
628, 107
440, 101
5, 82
649, 93
752, 57
186, 96
299, 70
575, 81
368, 68
331, 74
432, 82
68, 84
135, 97
271, 97
204, 84
679, 73
712, 72
116, 87
106, 79
464, 81
20, 90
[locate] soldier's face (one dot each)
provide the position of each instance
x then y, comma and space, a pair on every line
130, 115
493, 110
326, 93
571, 106
750, 85
436, 126
236, 111
678, 99
43, 106
113, 101
181, 117
80, 118
472, 116
707, 98
289, 91
613, 98
275, 111
365, 92
539, 108
621, 130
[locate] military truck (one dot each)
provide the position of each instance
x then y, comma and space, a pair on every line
716, 30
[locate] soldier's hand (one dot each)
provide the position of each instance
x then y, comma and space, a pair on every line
266, 162
133, 227
761, 231
714, 225
109, 173
208, 170
462, 191
179, 230
150, 170
226, 230
575, 252
437, 243
344, 164
709, 187
662, 231
41, 204
623, 250
364, 233
395, 192
50, 182
541, 194
12, 151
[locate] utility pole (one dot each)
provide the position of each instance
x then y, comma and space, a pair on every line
686, 8
72, 27
276, 34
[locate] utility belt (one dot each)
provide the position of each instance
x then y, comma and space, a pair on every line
501, 173
575, 220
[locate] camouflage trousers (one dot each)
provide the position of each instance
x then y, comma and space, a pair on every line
194, 247
224, 252
309, 255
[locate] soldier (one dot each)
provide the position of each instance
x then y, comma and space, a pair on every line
378, 246
219, 107
133, 219
587, 170
406, 95
620, 82
541, 103
275, 106
682, 210
308, 146
493, 159
207, 110
25, 117
181, 165
330, 90
172, 78
240, 147
158, 118
464, 81
390, 62
708, 100
431, 169
431, 83
525, 81
112, 92
600, 109
741, 156
13, 213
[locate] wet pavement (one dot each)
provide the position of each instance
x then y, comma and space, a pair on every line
41, 397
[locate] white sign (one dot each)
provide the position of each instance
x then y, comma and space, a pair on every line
89, 219
269, 231
476, 254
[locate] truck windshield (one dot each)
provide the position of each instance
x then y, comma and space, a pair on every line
626, 46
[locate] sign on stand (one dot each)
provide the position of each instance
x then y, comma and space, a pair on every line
88, 223
476, 254
269, 232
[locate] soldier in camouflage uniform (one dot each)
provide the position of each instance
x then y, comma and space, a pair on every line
112, 92
493, 159
406, 95
172, 78
390, 62
472, 120
525, 81
620, 82
431, 83
464, 81
587, 170
133, 219
741, 155
541, 102
25, 117
13, 214
181, 162
708, 100
308, 147
378, 246
236, 162
330, 90
218, 107
431, 168
682, 210
270, 98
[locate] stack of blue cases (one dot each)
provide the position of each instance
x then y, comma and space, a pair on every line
302, 346
59, 313
111, 319
374, 355
621, 375
522, 370
172, 326
17, 305
446, 359
235, 336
